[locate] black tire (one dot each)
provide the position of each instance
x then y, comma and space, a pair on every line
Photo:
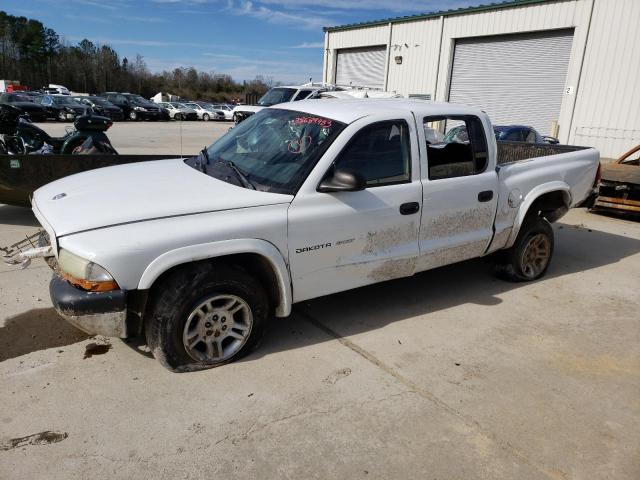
178, 116
205, 117
133, 116
530, 255
179, 295
62, 116
236, 118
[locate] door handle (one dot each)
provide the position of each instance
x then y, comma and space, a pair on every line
485, 196
409, 208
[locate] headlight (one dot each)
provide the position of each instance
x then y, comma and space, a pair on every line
84, 273
140, 109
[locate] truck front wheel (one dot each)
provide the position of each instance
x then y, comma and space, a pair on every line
531, 253
205, 316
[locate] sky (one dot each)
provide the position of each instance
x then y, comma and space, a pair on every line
281, 40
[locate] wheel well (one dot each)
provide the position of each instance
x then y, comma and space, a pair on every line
551, 205
252, 263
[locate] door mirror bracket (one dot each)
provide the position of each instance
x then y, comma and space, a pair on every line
343, 181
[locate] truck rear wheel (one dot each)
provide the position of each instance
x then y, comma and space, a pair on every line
205, 316
531, 253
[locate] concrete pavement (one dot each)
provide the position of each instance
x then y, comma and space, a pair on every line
448, 374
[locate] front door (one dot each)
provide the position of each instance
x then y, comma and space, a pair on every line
343, 240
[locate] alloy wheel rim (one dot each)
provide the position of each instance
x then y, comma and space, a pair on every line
217, 328
535, 255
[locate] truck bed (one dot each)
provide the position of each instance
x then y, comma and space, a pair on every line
512, 152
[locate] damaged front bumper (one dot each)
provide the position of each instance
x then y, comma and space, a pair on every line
33, 246
97, 313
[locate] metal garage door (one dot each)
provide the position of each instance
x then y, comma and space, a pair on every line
516, 79
361, 66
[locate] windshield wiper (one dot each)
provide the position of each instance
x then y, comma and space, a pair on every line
246, 183
200, 161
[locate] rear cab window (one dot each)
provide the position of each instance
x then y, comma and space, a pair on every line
456, 146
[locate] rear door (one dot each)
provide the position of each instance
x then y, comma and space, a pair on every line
343, 240
460, 191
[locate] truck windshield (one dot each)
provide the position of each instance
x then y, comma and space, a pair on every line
141, 101
272, 151
276, 95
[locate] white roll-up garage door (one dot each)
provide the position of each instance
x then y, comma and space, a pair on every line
516, 79
361, 66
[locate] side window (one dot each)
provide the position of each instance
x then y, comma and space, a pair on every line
302, 94
514, 135
380, 152
456, 146
530, 136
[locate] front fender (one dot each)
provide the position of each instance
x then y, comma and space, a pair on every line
532, 196
203, 251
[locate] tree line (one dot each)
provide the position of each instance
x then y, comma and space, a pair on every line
36, 55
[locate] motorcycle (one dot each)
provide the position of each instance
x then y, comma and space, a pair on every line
20, 136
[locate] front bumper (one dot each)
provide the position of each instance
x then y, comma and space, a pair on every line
149, 115
115, 116
37, 116
97, 313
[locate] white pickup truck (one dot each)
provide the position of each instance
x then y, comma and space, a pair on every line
298, 201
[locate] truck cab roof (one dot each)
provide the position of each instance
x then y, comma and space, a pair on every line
348, 111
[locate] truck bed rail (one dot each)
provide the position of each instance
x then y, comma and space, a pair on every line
511, 152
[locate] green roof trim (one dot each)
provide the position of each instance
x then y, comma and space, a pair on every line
442, 13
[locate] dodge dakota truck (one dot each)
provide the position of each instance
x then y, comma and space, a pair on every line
301, 200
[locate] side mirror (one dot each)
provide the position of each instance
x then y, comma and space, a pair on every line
343, 181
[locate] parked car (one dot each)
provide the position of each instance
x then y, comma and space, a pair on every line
276, 96
26, 104
165, 115
101, 106
134, 107
54, 89
507, 133
63, 107
32, 93
227, 110
179, 111
219, 113
198, 254
204, 113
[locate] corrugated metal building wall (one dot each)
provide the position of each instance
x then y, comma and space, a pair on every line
600, 104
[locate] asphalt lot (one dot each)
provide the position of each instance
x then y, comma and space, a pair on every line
172, 138
450, 374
